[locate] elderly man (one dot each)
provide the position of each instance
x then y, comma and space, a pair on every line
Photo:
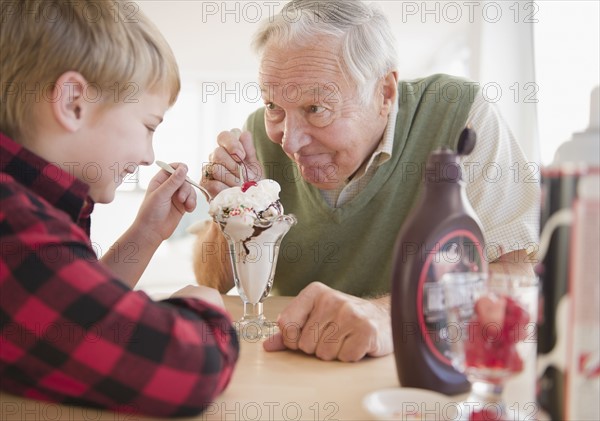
340, 133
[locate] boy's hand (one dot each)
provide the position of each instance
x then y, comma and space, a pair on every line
167, 199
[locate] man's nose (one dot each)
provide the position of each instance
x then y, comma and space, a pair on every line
295, 135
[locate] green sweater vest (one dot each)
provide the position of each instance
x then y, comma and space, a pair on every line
350, 248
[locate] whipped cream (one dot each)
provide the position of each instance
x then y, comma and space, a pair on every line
257, 202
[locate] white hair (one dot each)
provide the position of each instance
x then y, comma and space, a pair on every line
368, 50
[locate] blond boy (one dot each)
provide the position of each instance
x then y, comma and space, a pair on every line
84, 84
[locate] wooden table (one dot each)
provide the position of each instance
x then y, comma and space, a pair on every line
265, 386
277, 386
294, 386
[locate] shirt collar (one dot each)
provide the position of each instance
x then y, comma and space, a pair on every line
383, 152
48, 180
387, 143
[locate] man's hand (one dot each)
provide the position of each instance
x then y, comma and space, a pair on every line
333, 325
235, 148
516, 262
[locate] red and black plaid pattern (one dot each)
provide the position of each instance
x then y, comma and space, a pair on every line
70, 331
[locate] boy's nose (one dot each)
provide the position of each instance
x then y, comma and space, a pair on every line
148, 157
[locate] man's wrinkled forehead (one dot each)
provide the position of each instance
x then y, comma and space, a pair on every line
295, 92
290, 60
310, 75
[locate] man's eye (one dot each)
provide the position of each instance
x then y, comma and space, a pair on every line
315, 109
151, 129
270, 106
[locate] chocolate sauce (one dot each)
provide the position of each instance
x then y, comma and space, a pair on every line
441, 235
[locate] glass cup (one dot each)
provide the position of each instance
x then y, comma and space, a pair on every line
491, 331
254, 260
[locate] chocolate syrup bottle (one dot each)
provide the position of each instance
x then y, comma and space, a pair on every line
441, 234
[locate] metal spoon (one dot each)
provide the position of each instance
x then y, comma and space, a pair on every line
171, 170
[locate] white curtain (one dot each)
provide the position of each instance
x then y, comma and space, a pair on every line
503, 62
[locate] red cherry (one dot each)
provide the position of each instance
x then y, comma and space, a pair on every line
512, 360
516, 322
497, 327
491, 310
248, 184
484, 414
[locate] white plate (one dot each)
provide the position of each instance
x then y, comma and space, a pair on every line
409, 404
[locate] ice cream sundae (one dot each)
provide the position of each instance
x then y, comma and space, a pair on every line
251, 218
495, 317
252, 204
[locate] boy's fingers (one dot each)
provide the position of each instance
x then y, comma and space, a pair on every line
188, 197
176, 180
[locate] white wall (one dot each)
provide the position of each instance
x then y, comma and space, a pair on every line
567, 68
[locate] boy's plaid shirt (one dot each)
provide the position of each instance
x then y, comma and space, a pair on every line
70, 331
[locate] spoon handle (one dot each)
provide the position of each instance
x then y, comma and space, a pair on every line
171, 170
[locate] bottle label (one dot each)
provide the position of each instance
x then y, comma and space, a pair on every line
458, 251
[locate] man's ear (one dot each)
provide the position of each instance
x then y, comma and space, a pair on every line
69, 105
389, 91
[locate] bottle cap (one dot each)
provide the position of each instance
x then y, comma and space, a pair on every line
583, 149
443, 164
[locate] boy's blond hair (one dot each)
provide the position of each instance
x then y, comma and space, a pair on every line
111, 43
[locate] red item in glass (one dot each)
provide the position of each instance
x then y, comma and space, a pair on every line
497, 326
484, 415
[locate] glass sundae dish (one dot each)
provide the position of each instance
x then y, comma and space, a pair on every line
252, 220
493, 330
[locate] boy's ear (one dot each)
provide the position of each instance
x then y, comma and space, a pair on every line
69, 105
